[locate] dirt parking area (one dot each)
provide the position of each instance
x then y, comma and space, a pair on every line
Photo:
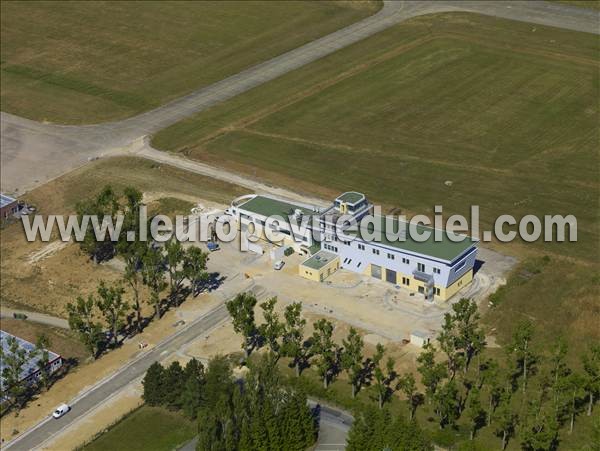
374, 306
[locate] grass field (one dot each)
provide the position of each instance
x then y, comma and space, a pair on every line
148, 429
48, 283
506, 111
84, 62
592, 4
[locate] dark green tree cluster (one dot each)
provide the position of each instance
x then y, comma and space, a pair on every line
257, 413
176, 388
181, 270
376, 429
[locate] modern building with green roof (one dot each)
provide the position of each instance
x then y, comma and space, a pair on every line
433, 262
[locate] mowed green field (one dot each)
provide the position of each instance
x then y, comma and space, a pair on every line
85, 62
506, 111
147, 429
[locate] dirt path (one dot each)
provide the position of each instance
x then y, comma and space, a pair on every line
41, 318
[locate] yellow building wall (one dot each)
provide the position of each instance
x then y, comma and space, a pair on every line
463, 281
414, 284
315, 274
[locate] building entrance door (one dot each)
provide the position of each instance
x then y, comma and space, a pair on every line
376, 271
390, 276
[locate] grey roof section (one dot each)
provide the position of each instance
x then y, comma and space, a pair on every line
6, 200
319, 260
31, 363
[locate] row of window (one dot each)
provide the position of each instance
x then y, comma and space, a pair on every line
329, 247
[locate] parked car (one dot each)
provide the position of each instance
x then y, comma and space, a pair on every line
61, 410
278, 265
212, 246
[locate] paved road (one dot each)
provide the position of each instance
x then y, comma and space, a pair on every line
41, 318
105, 388
33, 153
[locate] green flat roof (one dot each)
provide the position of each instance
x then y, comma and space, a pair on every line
351, 197
267, 206
319, 260
445, 249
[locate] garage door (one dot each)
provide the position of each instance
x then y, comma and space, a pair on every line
376, 271
390, 276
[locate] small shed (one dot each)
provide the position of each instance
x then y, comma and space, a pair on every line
419, 338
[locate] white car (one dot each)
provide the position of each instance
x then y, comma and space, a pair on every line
278, 265
61, 410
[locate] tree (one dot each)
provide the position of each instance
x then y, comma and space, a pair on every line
174, 384
13, 358
448, 340
573, 385
153, 275
490, 377
506, 420
154, 385
470, 338
194, 267
475, 412
446, 403
559, 370
540, 429
376, 429
521, 349
192, 395
384, 377
105, 207
42, 343
81, 319
591, 366
293, 337
409, 388
324, 350
241, 309
174, 258
352, 359
110, 302
431, 372
130, 242
272, 329
133, 277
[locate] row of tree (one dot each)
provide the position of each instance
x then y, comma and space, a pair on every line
285, 337
182, 271
460, 382
15, 359
258, 412
501, 395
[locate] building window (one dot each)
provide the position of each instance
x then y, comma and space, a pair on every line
405, 281
405, 261
436, 270
420, 267
361, 247
437, 291
376, 251
390, 256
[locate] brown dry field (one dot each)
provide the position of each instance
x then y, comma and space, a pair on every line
49, 283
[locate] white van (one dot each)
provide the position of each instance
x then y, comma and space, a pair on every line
61, 410
278, 265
